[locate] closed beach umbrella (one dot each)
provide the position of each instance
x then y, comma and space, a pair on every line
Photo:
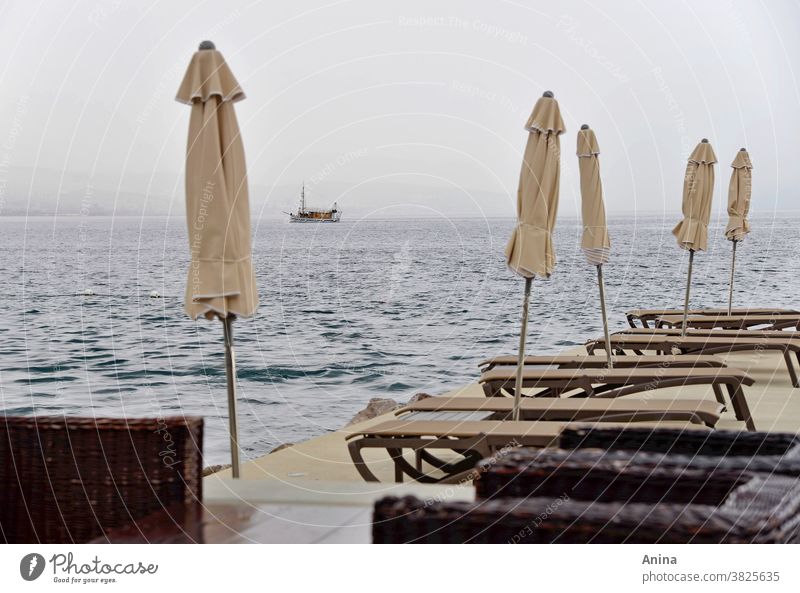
698, 189
221, 282
739, 192
595, 242
530, 251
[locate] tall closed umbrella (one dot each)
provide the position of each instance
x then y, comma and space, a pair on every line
739, 192
530, 250
221, 283
698, 190
595, 242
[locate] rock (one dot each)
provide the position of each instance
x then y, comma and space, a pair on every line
375, 407
212, 469
417, 397
281, 447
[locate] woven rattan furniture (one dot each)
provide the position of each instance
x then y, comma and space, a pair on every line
524, 472
583, 500
772, 453
72, 479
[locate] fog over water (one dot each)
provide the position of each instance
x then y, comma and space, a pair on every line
393, 104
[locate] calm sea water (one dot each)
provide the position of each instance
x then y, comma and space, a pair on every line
361, 309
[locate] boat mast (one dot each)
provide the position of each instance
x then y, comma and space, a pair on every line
303, 198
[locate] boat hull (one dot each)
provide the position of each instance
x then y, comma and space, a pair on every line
312, 220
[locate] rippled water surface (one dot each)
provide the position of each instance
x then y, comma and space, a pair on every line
374, 308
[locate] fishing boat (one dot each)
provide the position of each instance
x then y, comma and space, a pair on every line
305, 214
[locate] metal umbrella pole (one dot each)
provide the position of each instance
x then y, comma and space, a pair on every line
230, 372
521, 355
730, 291
688, 288
602, 286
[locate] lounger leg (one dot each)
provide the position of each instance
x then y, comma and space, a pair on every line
797, 355
403, 467
790, 367
398, 459
734, 402
718, 394
748, 418
358, 460
740, 407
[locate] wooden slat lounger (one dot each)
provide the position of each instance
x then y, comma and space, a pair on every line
472, 440
696, 411
611, 383
562, 361
768, 322
662, 342
645, 316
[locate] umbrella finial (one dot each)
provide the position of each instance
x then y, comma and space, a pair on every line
585, 127
742, 149
704, 140
548, 94
207, 45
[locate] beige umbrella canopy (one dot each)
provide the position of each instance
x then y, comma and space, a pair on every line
221, 279
221, 282
739, 191
595, 242
698, 190
530, 250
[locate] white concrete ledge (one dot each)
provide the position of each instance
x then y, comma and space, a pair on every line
217, 489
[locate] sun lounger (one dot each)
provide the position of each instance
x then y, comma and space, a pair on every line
624, 361
645, 316
471, 440
696, 411
612, 383
767, 322
663, 342
711, 333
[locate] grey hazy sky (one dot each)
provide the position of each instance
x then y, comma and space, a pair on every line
397, 107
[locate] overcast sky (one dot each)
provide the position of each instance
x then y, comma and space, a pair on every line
404, 106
